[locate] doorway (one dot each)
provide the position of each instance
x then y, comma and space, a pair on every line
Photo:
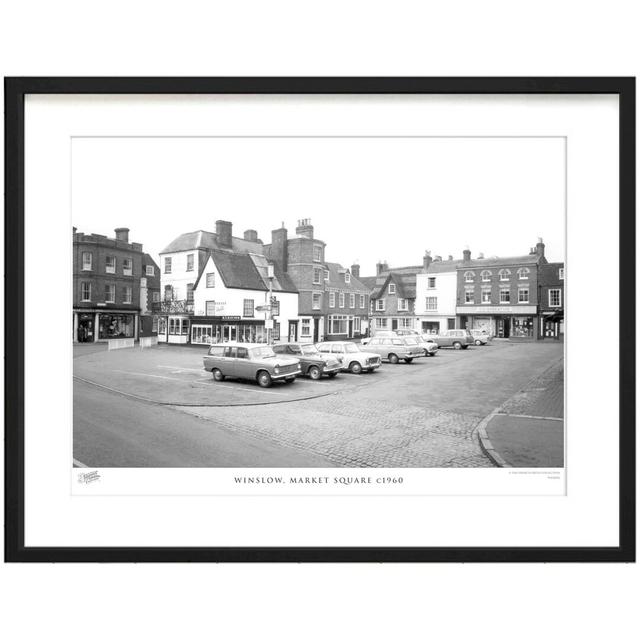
85, 328
293, 330
316, 329
394, 324
504, 326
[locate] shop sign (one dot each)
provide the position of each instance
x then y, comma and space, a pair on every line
504, 311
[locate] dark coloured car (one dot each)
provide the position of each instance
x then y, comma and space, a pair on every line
313, 363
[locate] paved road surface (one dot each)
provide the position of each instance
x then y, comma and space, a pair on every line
114, 431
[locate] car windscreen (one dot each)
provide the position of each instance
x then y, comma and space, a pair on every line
351, 348
411, 340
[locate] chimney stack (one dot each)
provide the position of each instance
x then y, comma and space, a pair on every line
381, 266
122, 234
279, 247
251, 235
305, 228
540, 248
355, 270
223, 231
466, 255
450, 257
426, 261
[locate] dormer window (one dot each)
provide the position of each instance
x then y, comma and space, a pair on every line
392, 289
504, 274
347, 277
523, 273
469, 276
486, 276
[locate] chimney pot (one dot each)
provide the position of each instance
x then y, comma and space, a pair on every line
251, 235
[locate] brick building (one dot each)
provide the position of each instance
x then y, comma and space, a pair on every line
500, 295
106, 286
393, 297
551, 300
149, 296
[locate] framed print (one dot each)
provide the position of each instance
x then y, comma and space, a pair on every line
320, 319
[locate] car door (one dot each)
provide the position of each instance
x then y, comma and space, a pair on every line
338, 351
228, 366
242, 364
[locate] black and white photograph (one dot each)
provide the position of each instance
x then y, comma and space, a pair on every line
309, 302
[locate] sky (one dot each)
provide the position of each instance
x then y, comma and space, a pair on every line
369, 199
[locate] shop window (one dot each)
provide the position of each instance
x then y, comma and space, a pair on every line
316, 301
469, 276
504, 274
149, 270
431, 303
406, 323
341, 299
185, 327
305, 328
523, 273
127, 267
431, 283
392, 289
87, 261
162, 326
505, 295
247, 308
128, 294
167, 265
109, 292
555, 298
403, 304
110, 264
381, 323
332, 299
116, 326
362, 302
86, 292
201, 334
380, 304
523, 294
190, 262
211, 280
522, 327
486, 276
338, 325
210, 308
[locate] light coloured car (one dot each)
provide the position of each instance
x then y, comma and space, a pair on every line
381, 333
396, 348
426, 342
351, 357
250, 361
456, 338
480, 336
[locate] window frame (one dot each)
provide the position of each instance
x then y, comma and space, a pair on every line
190, 262
391, 289
485, 275
82, 286
168, 262
89, 262
559, 292
110, 287
110, 268
127, 271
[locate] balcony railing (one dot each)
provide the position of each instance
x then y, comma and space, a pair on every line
173, 306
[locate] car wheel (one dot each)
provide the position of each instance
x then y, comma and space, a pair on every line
264, 379
393, 358
408, 360
333, 374
355, 367
314, 373
217, 375
478, 343
457, 345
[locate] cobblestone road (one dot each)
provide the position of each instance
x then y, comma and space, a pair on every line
419, 415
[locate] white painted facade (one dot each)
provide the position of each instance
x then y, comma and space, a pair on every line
441, 285
179, 277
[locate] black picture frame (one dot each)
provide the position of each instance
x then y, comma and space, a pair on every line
15, 91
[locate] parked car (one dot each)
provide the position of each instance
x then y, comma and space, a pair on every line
396, 349
313, 363
378, 334
480, 336
427, 343
250, 361
352, 359
456, 338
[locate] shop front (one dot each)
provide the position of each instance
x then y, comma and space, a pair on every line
517, 323
94, 326
216, 329
552, 325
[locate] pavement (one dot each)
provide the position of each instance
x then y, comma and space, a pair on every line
424, 414
528, 429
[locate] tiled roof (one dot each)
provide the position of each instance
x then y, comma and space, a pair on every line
368, 281
147, 259
336, 279
208, 240
281, 281
237, 271
442, 266
478, 263
404, 279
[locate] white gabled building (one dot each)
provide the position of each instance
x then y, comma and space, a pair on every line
436, 294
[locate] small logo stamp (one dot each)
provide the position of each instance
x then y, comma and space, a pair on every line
88, 477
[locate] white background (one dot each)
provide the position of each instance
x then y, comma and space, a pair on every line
489, 38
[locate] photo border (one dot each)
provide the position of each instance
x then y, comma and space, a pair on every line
15, 91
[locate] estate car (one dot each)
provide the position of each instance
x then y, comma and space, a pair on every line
250, 361
351, 358
396, 349
456, 338
480, 336
313, 363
